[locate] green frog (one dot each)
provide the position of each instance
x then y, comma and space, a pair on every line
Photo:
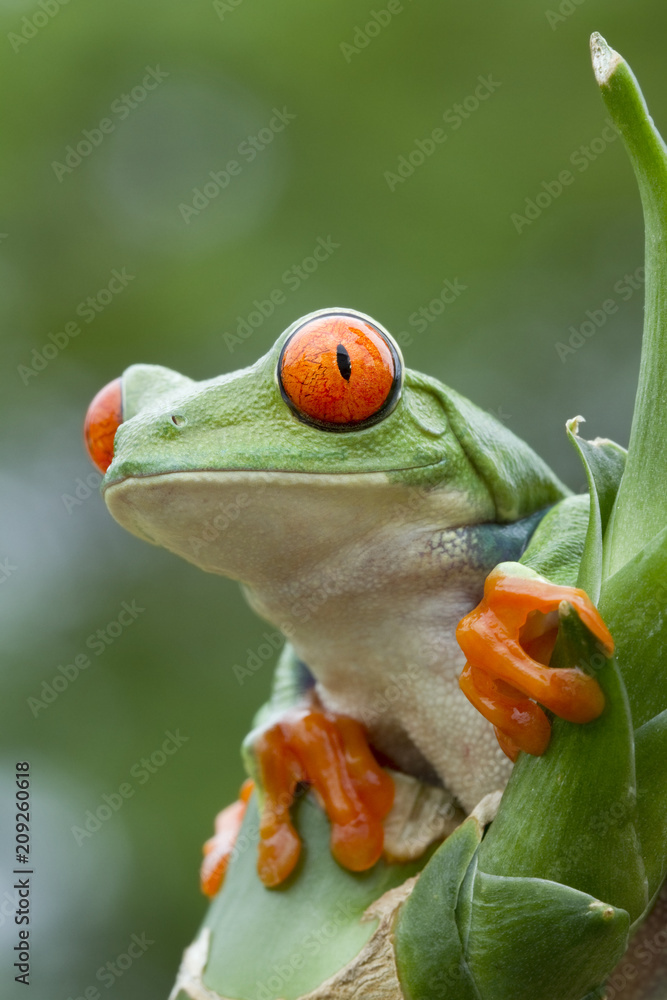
370, 513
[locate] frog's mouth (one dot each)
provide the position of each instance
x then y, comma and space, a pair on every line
259, 525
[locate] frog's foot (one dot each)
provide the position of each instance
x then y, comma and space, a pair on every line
218, 850
331, 754
516, 618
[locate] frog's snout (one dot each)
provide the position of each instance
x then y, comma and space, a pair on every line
104, 417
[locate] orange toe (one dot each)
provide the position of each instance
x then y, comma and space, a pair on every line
331, 754
218, 849
507, 745
503, 680
523, 723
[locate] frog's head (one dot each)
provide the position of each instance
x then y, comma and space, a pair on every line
324, 438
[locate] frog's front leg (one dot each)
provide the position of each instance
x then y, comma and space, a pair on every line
296, 741
329, 753
508, 640
219, 848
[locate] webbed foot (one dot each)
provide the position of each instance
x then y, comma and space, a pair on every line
507, 641
331, 754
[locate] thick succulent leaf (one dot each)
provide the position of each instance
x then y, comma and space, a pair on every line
634, 604
554, 819
429, 954
532, 938
651, 759
285, 942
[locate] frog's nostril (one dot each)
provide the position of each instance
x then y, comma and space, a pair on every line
104, 417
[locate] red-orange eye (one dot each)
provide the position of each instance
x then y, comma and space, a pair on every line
104, 417
339, 371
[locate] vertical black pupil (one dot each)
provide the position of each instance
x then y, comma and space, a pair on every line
344, 363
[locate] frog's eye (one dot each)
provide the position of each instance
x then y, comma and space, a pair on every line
338, 371
104, 417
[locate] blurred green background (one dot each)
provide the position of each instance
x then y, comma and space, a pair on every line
222, 69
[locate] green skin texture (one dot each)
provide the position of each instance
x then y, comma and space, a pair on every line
543, 902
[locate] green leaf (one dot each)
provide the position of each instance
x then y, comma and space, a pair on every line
270, 943
429, 954
633, 602
604, 462
531, 938
651, 752
641, 508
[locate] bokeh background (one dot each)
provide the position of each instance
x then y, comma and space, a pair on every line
222, 69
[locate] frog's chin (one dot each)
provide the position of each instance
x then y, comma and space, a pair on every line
256, 526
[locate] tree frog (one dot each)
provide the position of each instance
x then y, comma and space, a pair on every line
375, 513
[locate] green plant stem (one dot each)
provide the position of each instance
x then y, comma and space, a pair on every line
641, 507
